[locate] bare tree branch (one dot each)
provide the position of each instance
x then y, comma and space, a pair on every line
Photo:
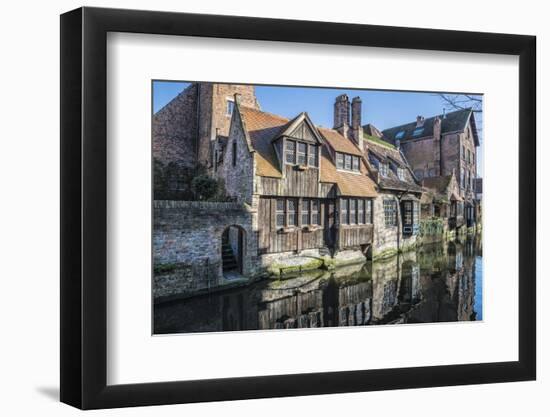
462, 101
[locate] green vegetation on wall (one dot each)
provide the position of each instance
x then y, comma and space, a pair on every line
176, 182
432, 226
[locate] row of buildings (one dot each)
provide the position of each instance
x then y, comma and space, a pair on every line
311, 192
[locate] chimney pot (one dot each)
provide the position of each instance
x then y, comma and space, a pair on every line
419, 121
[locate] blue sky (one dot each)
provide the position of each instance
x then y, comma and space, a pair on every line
383, 109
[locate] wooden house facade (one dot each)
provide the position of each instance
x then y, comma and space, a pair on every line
310, 187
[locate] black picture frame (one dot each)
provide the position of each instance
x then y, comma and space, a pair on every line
84, 207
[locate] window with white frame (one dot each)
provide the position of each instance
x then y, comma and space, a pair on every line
301, 157
315, 212
286, 212
390, 213
401, 173
344, 211
301, 153
290, 152
348, 162
355, 211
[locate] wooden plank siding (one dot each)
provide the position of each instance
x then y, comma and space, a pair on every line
272, 240
354, 236
297, 183
287, 187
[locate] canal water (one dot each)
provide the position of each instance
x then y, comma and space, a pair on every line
435, 283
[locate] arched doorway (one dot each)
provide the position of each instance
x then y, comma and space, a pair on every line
233, 244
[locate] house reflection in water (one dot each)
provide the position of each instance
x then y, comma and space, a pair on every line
437, 283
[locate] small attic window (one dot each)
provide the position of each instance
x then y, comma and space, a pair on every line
418, 131
230, 105
401, 173
400, 134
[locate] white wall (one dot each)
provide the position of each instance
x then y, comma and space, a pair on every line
29, 213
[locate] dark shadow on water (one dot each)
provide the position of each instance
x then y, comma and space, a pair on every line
50, 392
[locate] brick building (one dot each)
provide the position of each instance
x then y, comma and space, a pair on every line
441, 146
184, 129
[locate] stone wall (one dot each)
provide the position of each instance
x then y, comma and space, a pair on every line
187, 238
388, 240
239, 177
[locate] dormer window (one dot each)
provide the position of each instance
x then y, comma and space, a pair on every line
383, 169
313, 156
418, 131
339, 160
401, 173
400, 134
300, 153
290, 152
347, 162
355, 164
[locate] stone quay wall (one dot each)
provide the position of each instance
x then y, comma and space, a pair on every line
187, 241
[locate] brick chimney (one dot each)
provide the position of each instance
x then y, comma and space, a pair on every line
419, 121
341, 115
356, 127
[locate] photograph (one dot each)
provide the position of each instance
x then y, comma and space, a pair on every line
291, 207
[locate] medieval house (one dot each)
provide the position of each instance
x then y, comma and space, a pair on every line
309, 187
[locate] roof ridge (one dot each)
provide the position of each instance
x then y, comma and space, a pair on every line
266, 112
441, 115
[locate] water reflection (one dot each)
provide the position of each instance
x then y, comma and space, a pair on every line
436, 283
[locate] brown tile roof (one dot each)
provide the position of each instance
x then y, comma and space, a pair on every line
359, 185
387, 153
338, 142
262, 128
